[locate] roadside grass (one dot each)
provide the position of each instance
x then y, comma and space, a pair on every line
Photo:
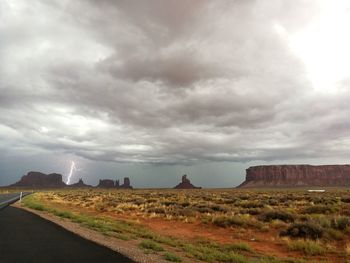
151, 246
172, 257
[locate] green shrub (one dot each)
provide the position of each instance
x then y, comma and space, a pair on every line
304, 230
171, 257
308, 247
237, 247
273, 215
151, 245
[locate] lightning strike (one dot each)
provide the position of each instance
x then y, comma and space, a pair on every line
72, 169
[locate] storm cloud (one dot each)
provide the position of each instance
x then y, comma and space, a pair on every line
165, 82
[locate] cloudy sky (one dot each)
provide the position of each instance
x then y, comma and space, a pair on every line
154, 89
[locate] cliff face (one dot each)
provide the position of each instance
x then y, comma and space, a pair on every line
40, 180
297, 175
185, 184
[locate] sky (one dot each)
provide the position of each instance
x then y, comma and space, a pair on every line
155, 89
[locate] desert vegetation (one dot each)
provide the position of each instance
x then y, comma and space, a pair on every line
214, 225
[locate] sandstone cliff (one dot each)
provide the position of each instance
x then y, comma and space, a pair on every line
40, 180
185, 184
297, 176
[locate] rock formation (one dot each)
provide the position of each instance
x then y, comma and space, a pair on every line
126, 184
186, 184
40, 180
106, 183
80, 184
297, 176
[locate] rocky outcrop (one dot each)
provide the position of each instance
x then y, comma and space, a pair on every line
126, 184
80, 184
186, 184
107, 183
40, 180
297, 176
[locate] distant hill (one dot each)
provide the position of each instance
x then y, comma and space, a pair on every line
297, 176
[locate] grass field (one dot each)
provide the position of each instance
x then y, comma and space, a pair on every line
214, 225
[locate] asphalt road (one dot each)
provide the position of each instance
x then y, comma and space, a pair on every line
7, 199
25, 237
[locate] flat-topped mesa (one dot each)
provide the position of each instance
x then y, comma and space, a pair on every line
297, 176
40, 180
186, 184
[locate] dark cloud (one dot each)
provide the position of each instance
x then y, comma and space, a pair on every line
163, 82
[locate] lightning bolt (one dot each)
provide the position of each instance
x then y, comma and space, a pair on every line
72, 169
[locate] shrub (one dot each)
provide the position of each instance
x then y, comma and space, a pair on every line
227, 221
219, 208
252, 204
171, 257
156, 210
273, 215
334, 234
340, 223
319, 209
304, 230
345, 199
250, 211
204, 209
237, 247
307, 247
187, 212
150, 245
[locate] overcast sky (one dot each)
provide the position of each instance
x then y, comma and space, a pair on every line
154, 89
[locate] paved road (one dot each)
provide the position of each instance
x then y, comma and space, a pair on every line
25, 237
7, 199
